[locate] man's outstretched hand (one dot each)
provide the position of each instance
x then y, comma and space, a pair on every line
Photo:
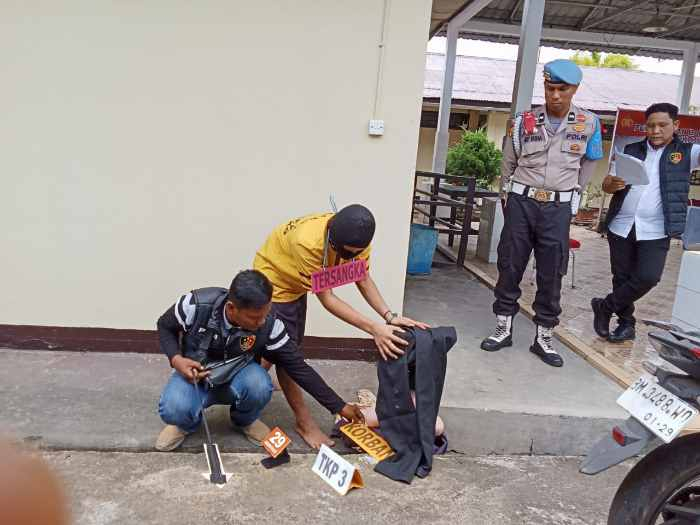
407, 322
386, 337
387, 341
188, 368
352, 413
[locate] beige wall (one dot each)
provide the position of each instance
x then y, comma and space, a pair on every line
149, 147
495, 129
426, 146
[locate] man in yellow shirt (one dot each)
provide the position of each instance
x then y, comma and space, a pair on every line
292, 254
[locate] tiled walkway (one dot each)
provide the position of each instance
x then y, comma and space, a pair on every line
593, 279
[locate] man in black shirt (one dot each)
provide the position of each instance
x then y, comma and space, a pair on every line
211, 325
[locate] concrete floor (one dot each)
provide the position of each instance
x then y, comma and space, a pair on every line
593, 279
87, 408
167, 489
513, 379
109, 401
510, 401
507, 402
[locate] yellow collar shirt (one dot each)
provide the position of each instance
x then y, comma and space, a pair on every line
293, 252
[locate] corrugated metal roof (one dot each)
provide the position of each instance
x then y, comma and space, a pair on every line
442, 10
622, 17
490, 80
616, 16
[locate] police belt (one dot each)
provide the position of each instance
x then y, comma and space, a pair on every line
541, 195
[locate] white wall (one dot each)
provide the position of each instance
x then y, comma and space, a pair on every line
149, 147
686, 307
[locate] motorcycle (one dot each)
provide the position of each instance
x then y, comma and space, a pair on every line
664, 486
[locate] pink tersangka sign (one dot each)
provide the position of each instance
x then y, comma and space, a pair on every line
350, 272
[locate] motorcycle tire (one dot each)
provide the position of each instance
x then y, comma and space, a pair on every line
658, 476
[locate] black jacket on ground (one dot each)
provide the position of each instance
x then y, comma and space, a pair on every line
411, 431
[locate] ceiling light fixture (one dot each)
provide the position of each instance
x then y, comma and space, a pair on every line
656, 24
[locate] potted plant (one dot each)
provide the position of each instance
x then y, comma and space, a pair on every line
474, 156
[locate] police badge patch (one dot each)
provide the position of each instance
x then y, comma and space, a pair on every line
247, 342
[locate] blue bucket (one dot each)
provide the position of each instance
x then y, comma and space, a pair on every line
421, 248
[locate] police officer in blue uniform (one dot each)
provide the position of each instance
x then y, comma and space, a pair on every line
547, 161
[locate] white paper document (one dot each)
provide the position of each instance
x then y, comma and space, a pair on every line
631, 169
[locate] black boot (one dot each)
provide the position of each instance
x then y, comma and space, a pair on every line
601, 317
502, 337
624, 332
544, 349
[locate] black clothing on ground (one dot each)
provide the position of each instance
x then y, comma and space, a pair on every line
544, 227
411, 431
180, 330
637, 267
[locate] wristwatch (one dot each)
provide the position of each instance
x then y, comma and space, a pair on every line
389, 316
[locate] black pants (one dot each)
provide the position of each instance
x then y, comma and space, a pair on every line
637, 267
544, 227
293, 315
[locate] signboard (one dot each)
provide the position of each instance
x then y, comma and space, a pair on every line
368, 440
350, 272
630, 126
276, 442
337, 472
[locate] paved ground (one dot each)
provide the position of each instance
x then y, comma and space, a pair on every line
510, 419
509, 401
593, 279
513, 379
109, 401
167, 489
505, 403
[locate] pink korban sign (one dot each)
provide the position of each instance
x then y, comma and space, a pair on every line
328, 278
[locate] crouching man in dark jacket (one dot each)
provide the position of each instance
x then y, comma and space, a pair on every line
211, 326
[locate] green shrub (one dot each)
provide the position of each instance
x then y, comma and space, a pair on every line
474, 156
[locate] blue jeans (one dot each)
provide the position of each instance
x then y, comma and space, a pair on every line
247, 393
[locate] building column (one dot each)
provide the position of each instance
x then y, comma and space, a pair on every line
685, 85
442, 133
496, 127
528, 51
474, 117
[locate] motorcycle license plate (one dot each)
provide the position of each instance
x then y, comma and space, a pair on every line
656, 408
